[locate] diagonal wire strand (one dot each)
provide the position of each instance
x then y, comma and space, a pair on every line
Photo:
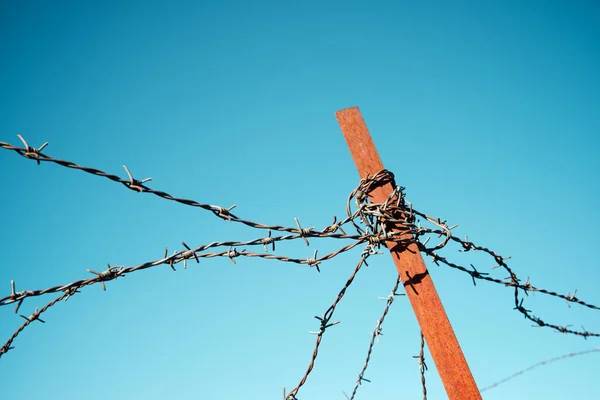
539, 364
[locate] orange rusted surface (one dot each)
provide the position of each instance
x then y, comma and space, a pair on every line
441, 340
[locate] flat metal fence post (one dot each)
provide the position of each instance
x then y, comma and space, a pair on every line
441, 340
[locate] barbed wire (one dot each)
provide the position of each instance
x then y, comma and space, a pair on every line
375, 336
380, 219
539, 364
514, 281
325, 323
422, 365
139, 186
393, 221
178, 257
114, 272
35, 316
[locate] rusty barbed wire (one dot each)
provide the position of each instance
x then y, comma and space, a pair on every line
539, 364
375, 336
325, 323
393, 222
114, 272
28, 320
514, 282
396, 210
182, 256
139, 186
422, 365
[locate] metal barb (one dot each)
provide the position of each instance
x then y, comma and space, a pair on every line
34, 317
188, 254
109, 274
135, 184
31, 152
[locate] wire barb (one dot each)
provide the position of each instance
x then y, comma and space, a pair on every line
109, 274
34, 317
304, 232
184, 255
134, 184
31, 152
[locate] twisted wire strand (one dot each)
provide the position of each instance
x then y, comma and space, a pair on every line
325, 323
375, 336
539, 364
422, 365
139, 186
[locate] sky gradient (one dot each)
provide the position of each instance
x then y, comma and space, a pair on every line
487, 112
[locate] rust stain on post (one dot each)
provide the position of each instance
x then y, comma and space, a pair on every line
441, 340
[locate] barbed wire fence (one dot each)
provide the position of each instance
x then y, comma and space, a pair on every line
371, 225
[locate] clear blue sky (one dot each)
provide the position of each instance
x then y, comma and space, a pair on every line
487, 113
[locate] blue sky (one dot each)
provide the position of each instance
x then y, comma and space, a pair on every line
487, 114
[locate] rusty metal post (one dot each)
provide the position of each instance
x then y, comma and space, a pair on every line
443, 345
